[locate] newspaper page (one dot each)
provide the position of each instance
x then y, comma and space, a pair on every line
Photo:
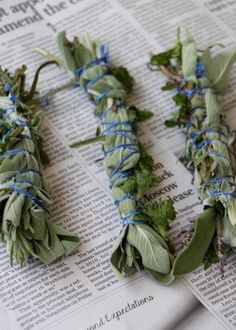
83, 285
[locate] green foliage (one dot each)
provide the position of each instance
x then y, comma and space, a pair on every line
161, 58
25, 227
164, 58
172, 123
139, 115
180, 99
160, 213
210, 257
192, 256
199, 77
127, 163
219, 69
123, 75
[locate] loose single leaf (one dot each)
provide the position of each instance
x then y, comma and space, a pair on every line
191, 257
154, 255
218, 70
189, 60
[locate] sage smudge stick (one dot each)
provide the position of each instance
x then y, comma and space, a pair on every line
142, 242
198, 77
25, 224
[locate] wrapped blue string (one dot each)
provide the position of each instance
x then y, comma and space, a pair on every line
104, 113
101, 96
218, 179
104, 59
217, 154
224, 193
12, 152
203, 143
121, 162
38, 201
124, 129
121, 146
120, 177
127, 221
200, 69
5, 136
94, 80
30, 170
6, 113
129, 196
11, 96
194, 136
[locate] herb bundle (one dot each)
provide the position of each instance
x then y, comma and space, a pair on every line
198, 78
24, 195
142, 243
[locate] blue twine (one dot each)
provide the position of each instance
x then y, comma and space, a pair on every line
8, 111
225, 193
120, 176
126, 220
218, 179
103, 59
208, 130
217, 154
25, 193
5, 136
211, 130
79, 71
121, 162
33, 170
101, 115
101, 96
205, 142
113, 124
129, 196
11, 96
113, 129
20, 122
119, 132
23, 181
105, 54
94, 80
191, 92
130, 214
15, 151
122, 146
38, 201
200, 69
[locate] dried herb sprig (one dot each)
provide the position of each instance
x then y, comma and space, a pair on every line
142, 242
24, 195
198, 78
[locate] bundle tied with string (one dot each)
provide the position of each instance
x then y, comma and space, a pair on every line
24, 195
198, 78
142, 241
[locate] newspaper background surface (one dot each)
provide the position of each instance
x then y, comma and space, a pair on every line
81, 292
